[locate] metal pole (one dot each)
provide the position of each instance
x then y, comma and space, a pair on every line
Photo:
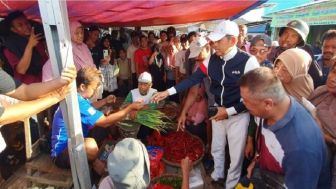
56, 29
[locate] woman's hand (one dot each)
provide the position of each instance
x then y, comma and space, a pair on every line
110, 99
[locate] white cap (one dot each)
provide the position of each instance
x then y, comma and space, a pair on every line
224, 28
196, 46
145, 77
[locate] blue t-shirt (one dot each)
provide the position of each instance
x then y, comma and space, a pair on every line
295, 146
89, 116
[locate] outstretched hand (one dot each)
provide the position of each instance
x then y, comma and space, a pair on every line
186, 165
137, 105
159, 96
181, 122
221, 114
110, 99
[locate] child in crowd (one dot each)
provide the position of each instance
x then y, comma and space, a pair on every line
180, 59
156, 68
124, 73
109, 71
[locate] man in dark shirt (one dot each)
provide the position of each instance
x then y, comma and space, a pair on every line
328, 52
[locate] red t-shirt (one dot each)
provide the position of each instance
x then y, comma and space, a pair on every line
13, 60
141, 58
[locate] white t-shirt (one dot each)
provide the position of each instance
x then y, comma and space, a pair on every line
130, 55
180, 61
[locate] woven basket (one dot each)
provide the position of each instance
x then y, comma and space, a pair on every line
196, 162
128, 132
158, 178
170, 108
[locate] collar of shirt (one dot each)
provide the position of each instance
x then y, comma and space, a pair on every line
230, 54
287, 118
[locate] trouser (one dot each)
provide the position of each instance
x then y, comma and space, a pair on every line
235, 129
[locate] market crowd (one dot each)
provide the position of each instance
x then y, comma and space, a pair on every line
265, 110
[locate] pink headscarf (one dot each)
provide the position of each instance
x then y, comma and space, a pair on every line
81, 53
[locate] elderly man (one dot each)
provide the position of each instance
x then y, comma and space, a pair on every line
328, 52
231, 120
143, 93
290, 143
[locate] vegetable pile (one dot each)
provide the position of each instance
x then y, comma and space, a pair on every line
167, 182
178, 145
153, 119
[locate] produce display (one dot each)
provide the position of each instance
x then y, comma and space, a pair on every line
178, 145
153, 119
170, 109
167, 182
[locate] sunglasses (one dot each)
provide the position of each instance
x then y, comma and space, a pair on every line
260, 51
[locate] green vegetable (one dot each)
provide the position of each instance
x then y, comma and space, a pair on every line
153, 119
172, 181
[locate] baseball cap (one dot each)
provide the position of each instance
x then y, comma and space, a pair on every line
223, 29
128, 165
196, 46
145, 77
267, 40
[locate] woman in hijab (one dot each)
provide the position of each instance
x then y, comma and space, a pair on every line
291, 67
81, 53
324, 99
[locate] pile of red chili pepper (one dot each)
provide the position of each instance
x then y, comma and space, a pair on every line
161, 186
178, 145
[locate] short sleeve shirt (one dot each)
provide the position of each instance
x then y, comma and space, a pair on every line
89, 116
